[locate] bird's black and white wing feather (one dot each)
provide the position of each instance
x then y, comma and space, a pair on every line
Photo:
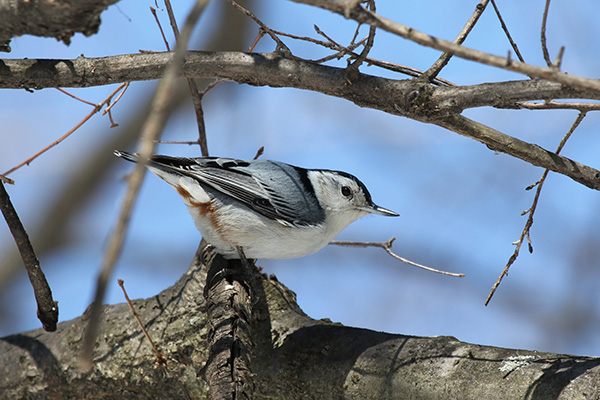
275, 190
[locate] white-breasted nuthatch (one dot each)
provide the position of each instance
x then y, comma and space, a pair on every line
268, 208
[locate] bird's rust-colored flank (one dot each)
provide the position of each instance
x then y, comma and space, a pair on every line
206, 209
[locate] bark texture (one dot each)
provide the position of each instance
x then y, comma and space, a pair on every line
60, 19
292, 356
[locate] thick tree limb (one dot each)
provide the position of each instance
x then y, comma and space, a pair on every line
531, 153
407, 98
266, 69
295, 357
60, 19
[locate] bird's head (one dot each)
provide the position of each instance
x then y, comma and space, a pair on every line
343, 197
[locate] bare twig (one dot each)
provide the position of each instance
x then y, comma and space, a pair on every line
543, 35
332, 44
150, 131
387, 246
341, 50
211, 85
352, 73
196, 96
153, 11
47, 308
361, 15
526, 230
558, 62
328, 44
441, 62
259, 36
97, 107
281, 47
89, 103
111, 105
407, 71
505, 29
259, 152
160, 357
6, 180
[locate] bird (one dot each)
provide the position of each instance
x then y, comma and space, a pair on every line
268, 209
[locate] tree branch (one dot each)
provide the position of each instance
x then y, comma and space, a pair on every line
47, 307
531, 153
262, 69
295, 357
59, 18
437, 105
441, 62
359, 14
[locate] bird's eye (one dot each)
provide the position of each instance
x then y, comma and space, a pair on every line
346, 191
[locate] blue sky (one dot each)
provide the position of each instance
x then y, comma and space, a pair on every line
459, 202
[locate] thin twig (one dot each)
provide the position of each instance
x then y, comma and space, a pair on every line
341, 52
352, 73
543, 35
151, 129
259, 152
160, 357
407, 71
47, 311
153, 11
441, 62
259, 36
281, 47
365, 16
505, 29
97, 107
211, 85
526, 230
558, 62
387, 246
89, 103
332, 44
322, 43
111, 105
196, 96
6, 180
108, 109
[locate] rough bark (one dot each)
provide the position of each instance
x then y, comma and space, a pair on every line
60, 19
230, 303
294, 357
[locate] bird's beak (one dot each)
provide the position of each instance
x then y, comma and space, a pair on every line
375, 209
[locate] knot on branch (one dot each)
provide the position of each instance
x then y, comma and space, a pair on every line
418, 100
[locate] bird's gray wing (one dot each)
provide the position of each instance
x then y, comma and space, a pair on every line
270, 188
